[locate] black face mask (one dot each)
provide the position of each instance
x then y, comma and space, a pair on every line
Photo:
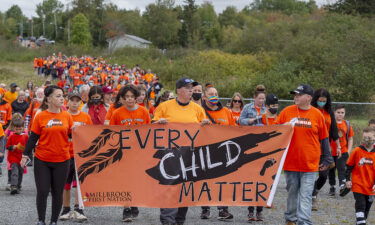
96, 101
273, 110
197, 96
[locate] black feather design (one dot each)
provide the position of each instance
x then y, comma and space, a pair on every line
97, 143
100, 162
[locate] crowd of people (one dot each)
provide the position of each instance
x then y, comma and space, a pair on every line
36, 124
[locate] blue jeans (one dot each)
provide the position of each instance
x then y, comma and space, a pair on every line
300, 186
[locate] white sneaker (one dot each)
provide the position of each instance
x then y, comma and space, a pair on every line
78, 215
7, 188
66, 216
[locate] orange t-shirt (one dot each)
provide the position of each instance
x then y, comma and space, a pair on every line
343, 134
53, 129
5, 113
236, 115
110, 111
309, 129
151, 108
80, 119
1, 131
77, 79
363, 173
123, 116
31, 111
222, 116
268, 120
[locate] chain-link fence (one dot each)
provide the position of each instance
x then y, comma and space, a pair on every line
358, 113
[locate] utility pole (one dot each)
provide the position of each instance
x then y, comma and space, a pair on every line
54, 15
44, 29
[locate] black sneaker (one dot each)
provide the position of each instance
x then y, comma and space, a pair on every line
13, 190
135, 212
260, 216
41, 223
205, 214
332, 191
224, 215
127, 215
344, 191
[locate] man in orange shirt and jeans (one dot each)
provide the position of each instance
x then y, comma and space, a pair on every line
303, 161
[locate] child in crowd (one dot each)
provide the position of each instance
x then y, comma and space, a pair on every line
346, 134
16, 145
360, 175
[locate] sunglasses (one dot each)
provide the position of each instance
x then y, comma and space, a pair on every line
236, 101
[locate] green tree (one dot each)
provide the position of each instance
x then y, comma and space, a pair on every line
210, 28
50, 13
229, 17
81, 32
189, 33
286, 6
363, 7
161, 24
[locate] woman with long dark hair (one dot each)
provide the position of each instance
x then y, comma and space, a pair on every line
95, 106
322, 101
49, 136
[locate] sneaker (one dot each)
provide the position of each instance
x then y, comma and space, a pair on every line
53, 223
251, 217
260, 216
7, 188
332, 191
135, 212
224, 215
78, 215
314, 206
66, 214
205, 214
344, 191
13, 190
41, 223
127, 215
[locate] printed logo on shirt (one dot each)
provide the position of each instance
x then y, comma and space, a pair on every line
303, 122
365, 161
79, 123
54, 123
129, 121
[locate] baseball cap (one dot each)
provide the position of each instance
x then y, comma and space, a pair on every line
303, 89
182, 82
12, 85
107, 90
74, 94
195, 83
272, 99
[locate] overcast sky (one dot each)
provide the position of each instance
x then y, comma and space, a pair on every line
28, 6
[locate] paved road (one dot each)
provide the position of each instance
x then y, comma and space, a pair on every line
20, 210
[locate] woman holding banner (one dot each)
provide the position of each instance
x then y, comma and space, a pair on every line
251, 115
49, 135
217, 114
130, 114
182, 110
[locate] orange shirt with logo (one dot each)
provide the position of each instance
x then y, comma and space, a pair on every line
5, 113
236, 115
327, 118
309, 129
343, 134
80, 119
123, 116
363, 173
53, 129
222, 117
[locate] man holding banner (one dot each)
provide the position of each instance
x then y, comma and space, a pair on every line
309, 142
181, 109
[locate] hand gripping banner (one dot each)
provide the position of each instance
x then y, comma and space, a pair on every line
176, 165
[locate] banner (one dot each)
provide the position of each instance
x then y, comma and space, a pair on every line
177, 165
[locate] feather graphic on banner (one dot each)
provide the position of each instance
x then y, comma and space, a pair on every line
100, 162
99, 142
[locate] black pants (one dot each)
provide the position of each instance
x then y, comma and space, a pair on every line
259, 209
50, 176
16, 175
362, 207
173, 215
219, 207
341, 168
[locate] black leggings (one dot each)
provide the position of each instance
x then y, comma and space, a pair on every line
341, 168
362, 207
50, 176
